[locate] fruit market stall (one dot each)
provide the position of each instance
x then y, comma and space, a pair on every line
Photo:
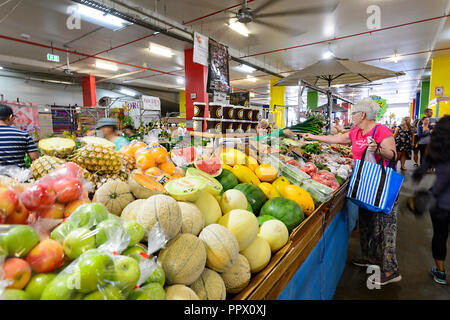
93, 223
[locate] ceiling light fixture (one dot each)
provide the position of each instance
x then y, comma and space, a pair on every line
128, 92
161, 50
395, 57
252, 94
180, 80
238, 27
397, 80
101, 16
251, 79
106, 66
245, 68
1, 68
328, 54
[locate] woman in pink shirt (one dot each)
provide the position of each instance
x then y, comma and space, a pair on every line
377, 230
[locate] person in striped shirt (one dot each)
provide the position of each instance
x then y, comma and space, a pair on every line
14, 143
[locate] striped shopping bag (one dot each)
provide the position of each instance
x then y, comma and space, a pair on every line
374, 186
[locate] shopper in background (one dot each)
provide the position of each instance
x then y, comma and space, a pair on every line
337, 127
403, 141
130, 132
263, 130
415, 142
438, 156
429, 115
378, 231
423, 133
15, 144
108, 127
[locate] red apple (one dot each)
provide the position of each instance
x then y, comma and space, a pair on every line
8, 201
47, 256
70, 207
56, 211
38, 196
68, 189
68, 169
19, 216
17, 270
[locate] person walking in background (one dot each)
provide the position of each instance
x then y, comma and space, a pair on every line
129, 132
403, 141
337, 127
378, 231
108, 128
423, 133
429, 115
415, 142
438, 156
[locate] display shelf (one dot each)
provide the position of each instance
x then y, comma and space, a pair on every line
222, 135
270, 282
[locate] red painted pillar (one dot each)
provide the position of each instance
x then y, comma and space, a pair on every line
89, 91
195, 81
344, 119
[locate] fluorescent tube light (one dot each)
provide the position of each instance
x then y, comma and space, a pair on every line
105, 65
238, 27
245, 68
100, 16
180, 80
160, 50
252, 94
251, 79
327, 54
128, 92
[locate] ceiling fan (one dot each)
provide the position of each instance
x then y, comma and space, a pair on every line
246, 15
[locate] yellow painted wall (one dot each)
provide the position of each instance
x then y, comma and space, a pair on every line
440, 77
182, 102
277, 98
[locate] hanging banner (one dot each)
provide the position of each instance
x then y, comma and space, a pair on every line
200, 49
26, 116
218, 71
151, 103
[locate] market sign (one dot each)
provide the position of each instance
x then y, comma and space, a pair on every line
52, 57
200, 49
151, 103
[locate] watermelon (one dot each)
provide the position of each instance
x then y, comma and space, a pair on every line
212, 185
227, 179
287, 211
255, 196
212, 166
186, 155
262, 219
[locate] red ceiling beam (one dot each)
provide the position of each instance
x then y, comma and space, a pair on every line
347, 36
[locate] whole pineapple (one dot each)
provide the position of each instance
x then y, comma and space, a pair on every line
97, 159
44, 165
128, 161
99, 180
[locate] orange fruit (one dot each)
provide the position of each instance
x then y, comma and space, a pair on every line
167, 167
132, 147
145, 160
161, 155
154, 172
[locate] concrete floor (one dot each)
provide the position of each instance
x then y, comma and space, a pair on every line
413, 254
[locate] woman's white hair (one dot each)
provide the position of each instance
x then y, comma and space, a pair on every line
370, 107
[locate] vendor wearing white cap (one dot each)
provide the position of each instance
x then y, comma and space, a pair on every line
108, 127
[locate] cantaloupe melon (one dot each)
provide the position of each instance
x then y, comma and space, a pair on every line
131, 210
209, 207
143, 186
258, 254
115, 195
243, 225
183, 260
192, 218
238, 276
275, 233
163, 209
209, 286
222, 248
180, 292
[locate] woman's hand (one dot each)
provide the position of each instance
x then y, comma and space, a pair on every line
372, 146
308, 136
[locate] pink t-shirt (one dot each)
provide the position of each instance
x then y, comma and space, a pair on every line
359, 141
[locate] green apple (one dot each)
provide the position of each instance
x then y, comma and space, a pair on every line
93, 269
61, 231
135, 252
155, 291
14, 294
63, 287
3, 247
126, 272
79, 296
77, 242
108, 229
105, 293
139, 294
20, 240
114, 217
136, 231
37, 284
157, 276
89, 215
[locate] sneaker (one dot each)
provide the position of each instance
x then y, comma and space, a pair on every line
439, 276
361, 262
395, 277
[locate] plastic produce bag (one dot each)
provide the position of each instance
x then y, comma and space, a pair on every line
319, 192
16, 173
